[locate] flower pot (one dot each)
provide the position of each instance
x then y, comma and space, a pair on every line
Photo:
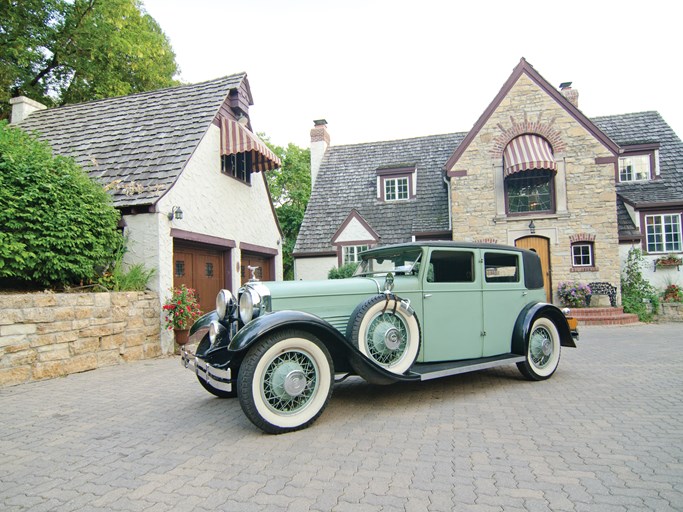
182, 336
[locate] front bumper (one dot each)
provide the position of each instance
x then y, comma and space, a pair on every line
217, 378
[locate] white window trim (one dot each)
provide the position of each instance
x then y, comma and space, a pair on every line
650, 174
662, 234
591, 262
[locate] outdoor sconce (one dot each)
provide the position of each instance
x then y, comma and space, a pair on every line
176, 213
532, 227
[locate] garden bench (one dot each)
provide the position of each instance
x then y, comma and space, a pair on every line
602, 289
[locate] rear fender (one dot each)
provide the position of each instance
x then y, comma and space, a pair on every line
526, 318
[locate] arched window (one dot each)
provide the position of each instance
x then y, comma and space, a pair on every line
529, 175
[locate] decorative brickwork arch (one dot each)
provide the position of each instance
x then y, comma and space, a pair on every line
518, 128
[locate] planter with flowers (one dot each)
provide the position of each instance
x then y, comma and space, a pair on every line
181, 310
573, 294
668, 261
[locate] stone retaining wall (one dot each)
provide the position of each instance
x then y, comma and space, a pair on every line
671, 312
46, 335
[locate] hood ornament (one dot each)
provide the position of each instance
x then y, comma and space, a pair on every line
253, 272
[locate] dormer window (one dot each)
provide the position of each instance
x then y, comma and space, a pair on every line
639, 162
634, 168
396, 184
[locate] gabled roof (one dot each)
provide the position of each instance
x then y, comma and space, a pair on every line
136, 145
641, 128
527, 69
347, 180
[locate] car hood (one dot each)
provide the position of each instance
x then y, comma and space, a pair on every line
281, 290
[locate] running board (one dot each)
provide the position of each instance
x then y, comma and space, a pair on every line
428, 371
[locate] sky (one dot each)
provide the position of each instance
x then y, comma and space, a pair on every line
382, 69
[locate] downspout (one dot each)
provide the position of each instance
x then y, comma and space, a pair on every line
450, 209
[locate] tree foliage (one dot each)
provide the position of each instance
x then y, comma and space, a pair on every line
69, 51
57, 226
290, 189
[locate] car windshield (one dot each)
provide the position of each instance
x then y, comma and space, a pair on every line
399, 263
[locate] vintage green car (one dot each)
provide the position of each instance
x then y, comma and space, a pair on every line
411, 312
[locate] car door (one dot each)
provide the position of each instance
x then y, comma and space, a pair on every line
452, 306
504, 296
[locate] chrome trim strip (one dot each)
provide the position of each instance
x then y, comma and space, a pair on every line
471, 368
215, 377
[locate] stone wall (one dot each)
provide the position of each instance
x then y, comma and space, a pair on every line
46, 335
671, 312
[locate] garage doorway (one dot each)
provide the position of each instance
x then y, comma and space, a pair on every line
265, 266
202, 268
541, 246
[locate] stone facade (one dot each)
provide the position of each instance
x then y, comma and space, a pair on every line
47, 335
585, 193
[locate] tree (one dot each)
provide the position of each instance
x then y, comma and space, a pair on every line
69, 51
290, 189
57, 226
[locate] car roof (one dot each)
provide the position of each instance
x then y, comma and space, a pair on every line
442, 244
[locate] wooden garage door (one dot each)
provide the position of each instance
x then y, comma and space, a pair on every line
264, 264
200, 268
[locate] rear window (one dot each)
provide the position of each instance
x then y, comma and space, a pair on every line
501, 267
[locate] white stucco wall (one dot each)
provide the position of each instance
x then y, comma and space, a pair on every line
213, 204
660, 278
309, 269
354, 231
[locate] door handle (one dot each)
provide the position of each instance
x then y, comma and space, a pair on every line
524, 294
427, 295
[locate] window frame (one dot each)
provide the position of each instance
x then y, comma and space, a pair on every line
357, 249
238, 166
648, 155
591, 255
385, 177
679, 233
525, 174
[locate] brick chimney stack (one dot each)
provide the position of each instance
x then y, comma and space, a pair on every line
320, 140
571, 94
22, 107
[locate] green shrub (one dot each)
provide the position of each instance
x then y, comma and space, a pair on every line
342, 272
119, 278
636, 291
57, 225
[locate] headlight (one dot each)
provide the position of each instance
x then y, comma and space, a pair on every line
215, 330
224, 303
250, 302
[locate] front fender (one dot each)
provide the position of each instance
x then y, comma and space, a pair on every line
203, 321
526, 319
341, 349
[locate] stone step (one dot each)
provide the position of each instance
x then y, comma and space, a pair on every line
603, 316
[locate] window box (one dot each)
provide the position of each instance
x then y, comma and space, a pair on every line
668, 261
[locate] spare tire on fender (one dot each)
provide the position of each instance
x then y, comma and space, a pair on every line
385, 329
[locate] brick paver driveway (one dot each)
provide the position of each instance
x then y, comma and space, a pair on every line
604, 433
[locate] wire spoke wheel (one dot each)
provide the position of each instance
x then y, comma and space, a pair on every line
290, 381
387, 339
543, 350
285, 381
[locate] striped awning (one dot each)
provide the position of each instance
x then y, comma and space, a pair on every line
528, 152
235, 139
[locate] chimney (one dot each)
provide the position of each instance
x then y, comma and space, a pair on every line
22, 107
320, 140
572, 95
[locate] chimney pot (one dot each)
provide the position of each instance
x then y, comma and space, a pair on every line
320, 140
572, 95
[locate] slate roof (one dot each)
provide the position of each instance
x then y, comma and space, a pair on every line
348, 180
641, 128
135, 145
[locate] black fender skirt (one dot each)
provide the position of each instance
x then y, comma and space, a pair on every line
526, 318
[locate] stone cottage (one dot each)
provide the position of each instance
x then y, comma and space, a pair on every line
533, 172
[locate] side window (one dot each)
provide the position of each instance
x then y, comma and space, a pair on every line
501, 267
451, 267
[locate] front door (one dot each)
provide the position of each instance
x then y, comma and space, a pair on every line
541, 246
201, 268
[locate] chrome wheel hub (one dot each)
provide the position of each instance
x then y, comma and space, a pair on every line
295, 383
392, 338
